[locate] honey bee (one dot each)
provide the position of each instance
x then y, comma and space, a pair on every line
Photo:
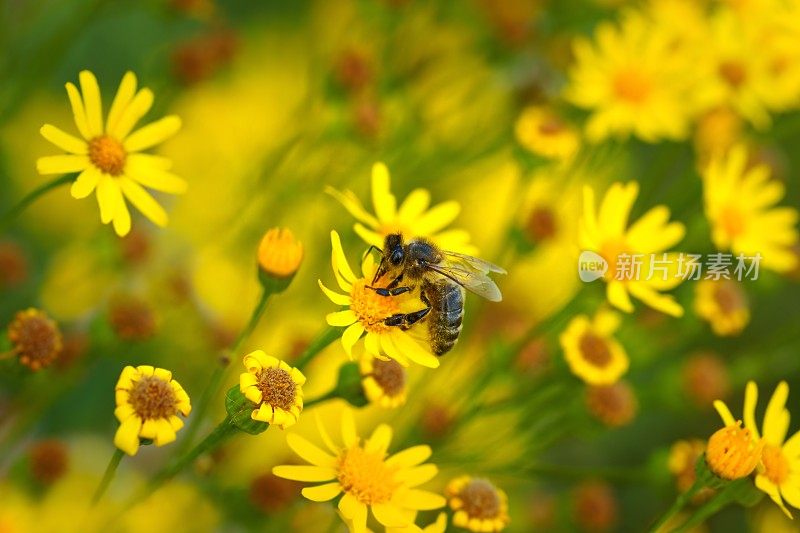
441, 277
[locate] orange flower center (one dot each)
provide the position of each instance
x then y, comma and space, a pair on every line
729, 297
371, 308
541, 224
107, 154
390, 376
277, 387
480, 499
36, 339
776, 465
153, 398
632, 86
611, 252
732, 221
366, 476
551, 126
733, 73
595, 350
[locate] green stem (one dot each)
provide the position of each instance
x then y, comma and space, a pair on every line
213, 440
680, 503
322, 341
31, 197
111, 470
325, 397
217, 379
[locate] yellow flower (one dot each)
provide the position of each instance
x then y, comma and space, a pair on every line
367, 477
148, 403
366, 311
632, 82
35, 339
412, 217
107, 156
384, 382
279, 253
723, 303
780, 478
740, 205
591, 351
275, 387
729, 73
606, 232
545, 134
478, 504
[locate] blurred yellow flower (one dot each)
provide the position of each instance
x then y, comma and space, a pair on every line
478, 504
148, 403
107, 157
367, 477
683, 455
591, 351
740, 205
275, 387
632, 82
729, 73
606, 232
35, 338
780, 478
412, 217
723, 304
279, 253
545, 134
384, 382
366, 311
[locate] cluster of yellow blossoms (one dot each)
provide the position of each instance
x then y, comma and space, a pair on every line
665, 65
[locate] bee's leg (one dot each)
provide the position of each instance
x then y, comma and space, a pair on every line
392, 288
406, 320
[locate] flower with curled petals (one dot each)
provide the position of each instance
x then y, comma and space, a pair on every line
412, 217
107, 154
780, 457
367, 476
275, 387
366, 310
148, 404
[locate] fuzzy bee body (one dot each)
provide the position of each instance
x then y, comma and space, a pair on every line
446, 300
441, 277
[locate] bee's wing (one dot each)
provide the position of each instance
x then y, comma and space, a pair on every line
470, 278
472, 262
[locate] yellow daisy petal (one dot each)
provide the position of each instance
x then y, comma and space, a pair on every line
380, 439
341, 318
109, 198
150, 173
322, 493
410, 456
750, 402
122, 218
63, 140
383, 200
353, 205
421, 500
349, 434
92, 102
142, 200
135, 110
86, 182
389, 515
152, 134
309, 452
127, 436
304, 473
78, 112
351, 336
62, 164
335, 297
724, 413
125, 93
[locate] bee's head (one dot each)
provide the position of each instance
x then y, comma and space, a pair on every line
393, 249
